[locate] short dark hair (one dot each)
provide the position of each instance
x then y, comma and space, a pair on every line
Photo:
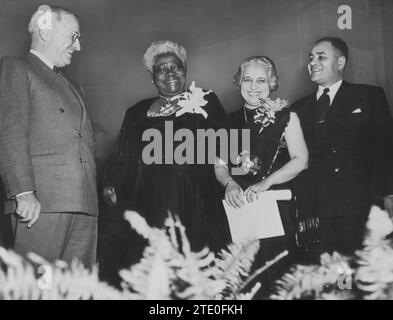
338, 44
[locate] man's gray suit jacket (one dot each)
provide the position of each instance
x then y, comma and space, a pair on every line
46, 138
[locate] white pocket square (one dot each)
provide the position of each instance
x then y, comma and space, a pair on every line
358, 110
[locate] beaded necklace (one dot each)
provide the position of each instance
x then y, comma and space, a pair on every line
169, 108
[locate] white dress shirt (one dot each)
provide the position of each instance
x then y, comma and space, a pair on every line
332, 90
42, 58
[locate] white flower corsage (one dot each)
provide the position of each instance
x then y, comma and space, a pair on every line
266, 114
192, 101
250, 164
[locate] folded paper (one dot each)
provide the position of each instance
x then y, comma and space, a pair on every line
257, 220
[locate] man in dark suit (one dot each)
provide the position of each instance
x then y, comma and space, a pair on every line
46, 145
348, 130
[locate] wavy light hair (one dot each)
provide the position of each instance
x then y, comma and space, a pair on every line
57, 13
163, 47
264, 60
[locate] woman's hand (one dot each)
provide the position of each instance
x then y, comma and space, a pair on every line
252, 193
234, 195
110, 196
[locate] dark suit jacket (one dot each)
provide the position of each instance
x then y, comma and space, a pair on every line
46, 139
353, 164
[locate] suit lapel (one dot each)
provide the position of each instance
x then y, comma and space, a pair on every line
335, 119
311, 115
68, 92
79, 96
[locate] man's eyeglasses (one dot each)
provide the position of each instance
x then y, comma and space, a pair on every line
75, 37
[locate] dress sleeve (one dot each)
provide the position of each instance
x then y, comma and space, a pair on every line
121, 163
217, 117
218, 121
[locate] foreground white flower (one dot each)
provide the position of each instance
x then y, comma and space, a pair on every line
379, 224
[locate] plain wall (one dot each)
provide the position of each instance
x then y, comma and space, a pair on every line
218, 35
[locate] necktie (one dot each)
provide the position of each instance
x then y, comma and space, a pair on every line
323, 105
61, 75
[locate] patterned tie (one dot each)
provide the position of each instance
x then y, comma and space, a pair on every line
61, 75
73, 90
323, 105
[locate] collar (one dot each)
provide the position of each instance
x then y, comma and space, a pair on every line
42, 58
332, 90
169, 101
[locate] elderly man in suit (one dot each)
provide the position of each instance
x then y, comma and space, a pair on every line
348, 130
46, 145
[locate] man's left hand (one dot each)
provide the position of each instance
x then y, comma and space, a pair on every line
28, 208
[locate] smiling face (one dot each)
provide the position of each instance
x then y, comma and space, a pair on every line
325, 64
169, 75
63, 40
254, 84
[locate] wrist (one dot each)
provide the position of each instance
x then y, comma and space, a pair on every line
23, 194
230, 180
268, 181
